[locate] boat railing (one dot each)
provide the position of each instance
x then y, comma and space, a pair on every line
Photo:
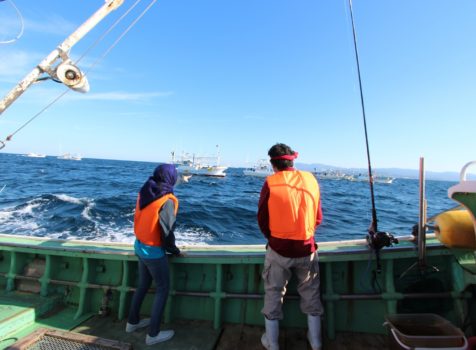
221, 277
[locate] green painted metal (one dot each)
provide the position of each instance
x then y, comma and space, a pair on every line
222, 284
467, 259
123, 290
468, 199
218, 295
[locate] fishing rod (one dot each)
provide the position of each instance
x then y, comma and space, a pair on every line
375, 238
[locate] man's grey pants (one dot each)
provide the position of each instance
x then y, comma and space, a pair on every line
276, 274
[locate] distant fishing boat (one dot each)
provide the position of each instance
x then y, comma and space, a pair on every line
35, 155
200, 166
332, 175
69, 156
376, 179
261, 169
190, 164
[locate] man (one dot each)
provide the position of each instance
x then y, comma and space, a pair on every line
289, 211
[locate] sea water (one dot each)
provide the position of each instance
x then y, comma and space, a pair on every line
94, 199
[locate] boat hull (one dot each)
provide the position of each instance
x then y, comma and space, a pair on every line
217, 171
257, 173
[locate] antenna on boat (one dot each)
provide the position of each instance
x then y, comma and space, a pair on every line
376, 239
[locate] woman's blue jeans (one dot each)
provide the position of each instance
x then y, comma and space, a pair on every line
157, 270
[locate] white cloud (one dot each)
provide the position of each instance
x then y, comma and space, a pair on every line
119, 96
13, 25
52, 24
15, 64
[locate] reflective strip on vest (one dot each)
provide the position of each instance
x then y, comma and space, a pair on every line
292, 204
146, 221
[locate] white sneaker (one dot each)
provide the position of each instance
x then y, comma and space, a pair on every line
159, 338
266, 344
264, 341
133, 327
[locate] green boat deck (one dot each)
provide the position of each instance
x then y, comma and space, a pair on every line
216, 292
25, 313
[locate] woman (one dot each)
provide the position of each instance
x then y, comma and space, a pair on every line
154, 224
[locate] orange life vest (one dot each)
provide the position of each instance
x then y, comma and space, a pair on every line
146, 221
292, 204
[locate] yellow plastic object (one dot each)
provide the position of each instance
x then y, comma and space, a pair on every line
455, 229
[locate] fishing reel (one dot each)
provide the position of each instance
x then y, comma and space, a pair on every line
378, 240
72, 77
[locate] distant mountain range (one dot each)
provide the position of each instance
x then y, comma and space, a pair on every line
394, 172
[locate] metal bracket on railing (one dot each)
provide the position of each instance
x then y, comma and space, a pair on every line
422, 227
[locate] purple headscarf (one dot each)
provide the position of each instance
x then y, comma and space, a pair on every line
158, 185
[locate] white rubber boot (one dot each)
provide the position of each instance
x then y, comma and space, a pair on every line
270, 339
314, 332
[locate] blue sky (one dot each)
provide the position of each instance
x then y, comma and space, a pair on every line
247, 74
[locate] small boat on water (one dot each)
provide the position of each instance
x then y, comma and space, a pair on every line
377, 179
331, 175
69, 156
190, 164
35, 155
339, 175
261, 169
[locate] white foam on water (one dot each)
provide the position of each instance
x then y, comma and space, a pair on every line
27, 226
87, 209
5, 215
16, 220
87, 202
66, 198
111, 233
28, 209
20, 219
23, 221
194, 236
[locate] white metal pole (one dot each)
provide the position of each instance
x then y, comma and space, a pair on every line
62, 49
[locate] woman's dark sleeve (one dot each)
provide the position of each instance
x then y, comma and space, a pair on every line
167, 218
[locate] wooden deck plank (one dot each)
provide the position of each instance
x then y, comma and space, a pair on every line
357, 341
200, 335
189, 335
